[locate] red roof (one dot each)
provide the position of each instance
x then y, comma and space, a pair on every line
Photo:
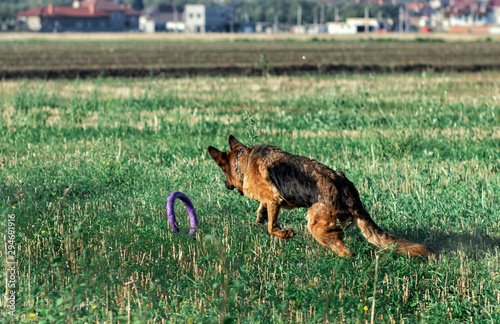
473, 3
465, 7
31, 12
88, 8
101, 5
132, 12
418, 5
462, 3
110, 6
494, 3
62, 12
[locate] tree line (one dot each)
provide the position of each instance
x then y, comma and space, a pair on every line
314, 11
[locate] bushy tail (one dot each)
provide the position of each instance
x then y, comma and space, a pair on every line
380, 238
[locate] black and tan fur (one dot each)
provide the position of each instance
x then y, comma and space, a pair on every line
278, 179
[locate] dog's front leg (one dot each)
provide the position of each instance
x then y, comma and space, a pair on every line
261, 214
273, 228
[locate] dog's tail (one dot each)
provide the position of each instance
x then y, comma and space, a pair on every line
380, 238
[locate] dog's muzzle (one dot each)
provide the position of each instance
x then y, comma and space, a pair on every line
231, 187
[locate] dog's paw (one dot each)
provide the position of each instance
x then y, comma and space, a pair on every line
344, 253
261, 221
261, 218
286, 233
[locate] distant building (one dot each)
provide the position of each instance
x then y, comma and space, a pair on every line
494, 12
162, 18
468, 13
83, 16
469, 16
340, 28
362, 23
201, 19
422, 16
264, 27
352, 26
299, 30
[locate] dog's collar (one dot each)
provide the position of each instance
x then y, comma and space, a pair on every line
237, 157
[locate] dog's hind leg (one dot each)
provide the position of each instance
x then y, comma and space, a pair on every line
261, 214
325, 229
273, 228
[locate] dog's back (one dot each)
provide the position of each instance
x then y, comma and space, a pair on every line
303, 181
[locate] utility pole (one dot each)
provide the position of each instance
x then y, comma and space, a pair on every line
315, 21
299, 16
322, 18
472, 14
336, 18
407, 19
367, 25
231, 23
441, 16
379, 20
401, 17
275, 24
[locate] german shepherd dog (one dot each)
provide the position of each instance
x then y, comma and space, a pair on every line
278, 179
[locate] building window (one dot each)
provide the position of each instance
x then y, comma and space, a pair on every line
199, 16
79, 25
190, 15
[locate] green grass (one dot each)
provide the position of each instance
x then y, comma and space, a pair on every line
88, 166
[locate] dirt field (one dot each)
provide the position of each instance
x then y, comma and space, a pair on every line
171, 55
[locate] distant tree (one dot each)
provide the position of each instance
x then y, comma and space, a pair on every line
138, 4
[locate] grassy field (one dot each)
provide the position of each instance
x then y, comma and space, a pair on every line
65, 58
87, 166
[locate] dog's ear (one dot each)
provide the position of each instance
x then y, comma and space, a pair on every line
234, 143
215, 154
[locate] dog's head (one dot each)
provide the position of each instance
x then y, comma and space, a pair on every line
227, 162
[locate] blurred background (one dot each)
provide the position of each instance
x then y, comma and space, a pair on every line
252, 16
138, 38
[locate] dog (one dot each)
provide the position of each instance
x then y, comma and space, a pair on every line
278, 179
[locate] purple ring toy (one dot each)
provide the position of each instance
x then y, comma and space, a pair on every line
189, 207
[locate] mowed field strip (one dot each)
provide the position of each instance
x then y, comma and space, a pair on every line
48, 56
87, 167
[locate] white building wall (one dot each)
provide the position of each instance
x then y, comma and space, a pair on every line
468, 20
195, 18
34, 23
340, 29
496, 16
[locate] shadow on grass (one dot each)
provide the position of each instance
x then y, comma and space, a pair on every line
442, 241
